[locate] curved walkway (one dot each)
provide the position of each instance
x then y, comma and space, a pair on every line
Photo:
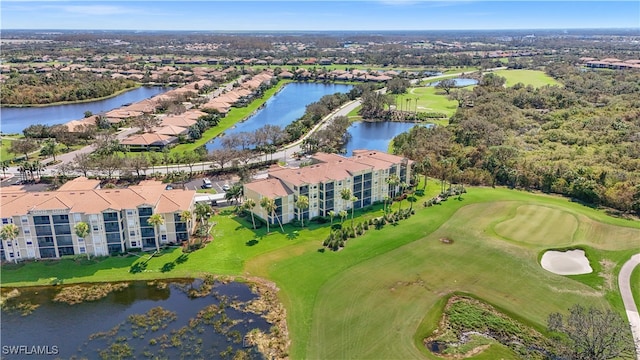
624, 282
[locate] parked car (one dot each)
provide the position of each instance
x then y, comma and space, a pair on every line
226, 187
206, 183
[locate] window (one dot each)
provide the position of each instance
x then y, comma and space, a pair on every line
164, 237
77, 217
82, 250
129, 212
25, 219
5, 221
134, 243
29, 243
132, 233
27, 231
95, 227
80, 239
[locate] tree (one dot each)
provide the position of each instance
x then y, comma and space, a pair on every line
411, 199
138, 163
446, 85
248, 205
50, 148
156, 220
82, 230
270, 206
353, 199
166, 157
83, 162
591, 334
332, 214
5, 166
185, 217
24, 146
302, 204
202, 211
345, 194
10, 232
189, 158
265, 202
393, 181
343, 215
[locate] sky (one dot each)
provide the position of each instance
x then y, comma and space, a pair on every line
381, 15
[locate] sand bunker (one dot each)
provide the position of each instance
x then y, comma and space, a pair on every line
572, 262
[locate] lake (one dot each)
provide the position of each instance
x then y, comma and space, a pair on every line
460, 82
159, 318
288, 105
375, 135
14, 120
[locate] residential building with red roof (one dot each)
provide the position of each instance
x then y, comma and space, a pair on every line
365, 174
117, 219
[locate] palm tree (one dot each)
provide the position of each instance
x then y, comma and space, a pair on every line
270, 206
5, 166
10, 232
156, 220
386, 199
331, 215
186, 216
343, 215
265, 202
393, 182
403, 186
302, 203
353, 199
82, 230
425, 165
249, 204
202, 211
50, 148
411, 199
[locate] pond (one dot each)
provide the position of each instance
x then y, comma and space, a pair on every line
288, 105
162, 319
375, 135
14, 120
460, 82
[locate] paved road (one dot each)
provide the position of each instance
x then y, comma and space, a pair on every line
624, 282
285, 154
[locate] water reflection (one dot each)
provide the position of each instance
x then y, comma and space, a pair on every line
375, 135
285, 107
141, 320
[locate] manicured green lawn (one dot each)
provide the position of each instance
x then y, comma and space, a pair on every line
4, 150
534, 78
429, 100
373, 299
635, 285
368, 300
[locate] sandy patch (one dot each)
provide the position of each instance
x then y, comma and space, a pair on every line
572, 262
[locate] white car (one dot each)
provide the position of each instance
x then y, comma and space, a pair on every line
226, 187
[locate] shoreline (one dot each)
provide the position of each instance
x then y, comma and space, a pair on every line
26, 106
267, 305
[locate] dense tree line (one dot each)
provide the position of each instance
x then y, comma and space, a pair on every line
57, 86
580, 140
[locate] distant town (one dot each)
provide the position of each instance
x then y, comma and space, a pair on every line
470, 190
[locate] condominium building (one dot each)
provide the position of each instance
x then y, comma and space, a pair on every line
365, 174
117, 219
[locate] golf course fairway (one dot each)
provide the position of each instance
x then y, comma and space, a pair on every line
373, 298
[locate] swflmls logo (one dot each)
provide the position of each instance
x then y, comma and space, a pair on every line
30, 350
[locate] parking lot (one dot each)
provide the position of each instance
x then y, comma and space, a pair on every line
217, 184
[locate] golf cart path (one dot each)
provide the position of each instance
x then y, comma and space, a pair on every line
624, 282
